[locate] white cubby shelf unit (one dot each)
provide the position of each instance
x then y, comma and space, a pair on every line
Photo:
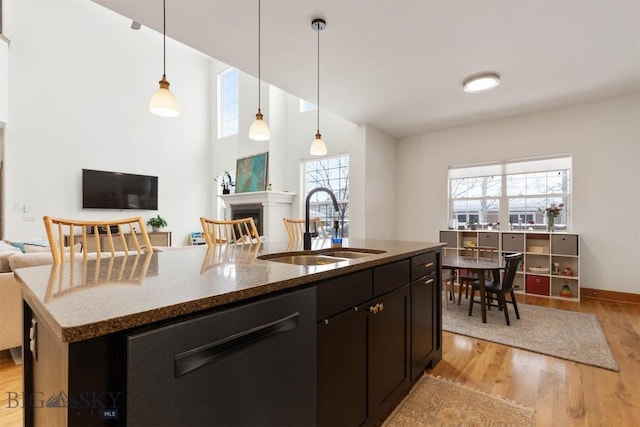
551, 265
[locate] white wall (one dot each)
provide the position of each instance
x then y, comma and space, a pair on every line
4, 81
80, 83
380, 185
604, 140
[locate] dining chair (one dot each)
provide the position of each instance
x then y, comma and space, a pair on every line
466, 279
235, 231
500, 289
128, 235
449, 280
295, 228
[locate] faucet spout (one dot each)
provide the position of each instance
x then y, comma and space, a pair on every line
307, 234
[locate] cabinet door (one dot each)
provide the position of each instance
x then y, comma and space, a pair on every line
389, 365
423, 318
342, 369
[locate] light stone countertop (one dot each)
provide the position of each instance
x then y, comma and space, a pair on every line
86, 300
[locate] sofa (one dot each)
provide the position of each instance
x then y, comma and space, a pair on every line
14, 255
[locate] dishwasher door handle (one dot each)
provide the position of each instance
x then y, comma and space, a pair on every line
207, 354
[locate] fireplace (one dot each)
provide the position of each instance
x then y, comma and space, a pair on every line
244, 211
267, 208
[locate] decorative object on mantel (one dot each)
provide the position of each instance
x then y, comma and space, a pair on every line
551, 213
251, 173
157, 223
225, 182
163, 102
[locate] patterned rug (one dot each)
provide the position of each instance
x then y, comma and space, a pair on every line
437, 402
566, 334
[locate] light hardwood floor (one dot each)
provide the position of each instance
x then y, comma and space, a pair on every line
562, 393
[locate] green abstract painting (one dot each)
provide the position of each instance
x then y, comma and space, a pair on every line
251, 173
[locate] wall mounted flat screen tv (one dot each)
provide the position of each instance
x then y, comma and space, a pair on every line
115, 190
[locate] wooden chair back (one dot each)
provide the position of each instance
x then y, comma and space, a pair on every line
512, 264
235, 231
486, 252
295, 228
129, 235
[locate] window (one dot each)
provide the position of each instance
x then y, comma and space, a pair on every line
228, 102
516, 191
331, 173
307, 106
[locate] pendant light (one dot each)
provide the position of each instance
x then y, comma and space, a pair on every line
259, 130
163, 102
318, 147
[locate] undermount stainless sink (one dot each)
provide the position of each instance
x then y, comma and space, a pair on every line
323, 257
349, 253
307, 259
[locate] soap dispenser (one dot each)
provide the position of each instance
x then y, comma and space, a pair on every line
336, 238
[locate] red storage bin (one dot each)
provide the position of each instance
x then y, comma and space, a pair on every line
537, 285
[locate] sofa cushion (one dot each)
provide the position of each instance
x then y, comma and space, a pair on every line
37, 241
30, 248
6, 250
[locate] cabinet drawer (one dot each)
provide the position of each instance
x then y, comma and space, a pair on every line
391, 276
488, 239
513, 242
337, 295
564, 244
422, 265
537, 285
450, 238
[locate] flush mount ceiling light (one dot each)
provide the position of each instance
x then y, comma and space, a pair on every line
481, 82
318, 147
163, 102
259, 130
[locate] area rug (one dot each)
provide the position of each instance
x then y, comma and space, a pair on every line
566, 334
437, 402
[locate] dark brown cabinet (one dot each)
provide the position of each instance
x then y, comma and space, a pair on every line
426, 313
364, 366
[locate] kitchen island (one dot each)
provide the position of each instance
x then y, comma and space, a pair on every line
230, 336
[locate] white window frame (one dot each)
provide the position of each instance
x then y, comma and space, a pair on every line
339, 185
228, 104
307, 106
506, 171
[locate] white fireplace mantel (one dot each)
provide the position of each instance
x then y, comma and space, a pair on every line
275, 206
254, 197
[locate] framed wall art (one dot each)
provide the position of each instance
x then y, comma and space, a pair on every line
251, 173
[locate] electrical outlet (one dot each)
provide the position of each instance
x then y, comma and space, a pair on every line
29, 218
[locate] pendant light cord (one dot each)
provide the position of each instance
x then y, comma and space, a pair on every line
164, 38
259, 55
318, 86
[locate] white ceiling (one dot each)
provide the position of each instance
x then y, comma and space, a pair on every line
398, 64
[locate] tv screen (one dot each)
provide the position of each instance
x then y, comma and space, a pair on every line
115, 190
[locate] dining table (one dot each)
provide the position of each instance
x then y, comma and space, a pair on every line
479, 266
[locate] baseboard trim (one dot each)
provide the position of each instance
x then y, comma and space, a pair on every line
603, 295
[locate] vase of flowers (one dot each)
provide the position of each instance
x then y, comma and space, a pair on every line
551, 213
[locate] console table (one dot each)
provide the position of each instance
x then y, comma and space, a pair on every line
157, 238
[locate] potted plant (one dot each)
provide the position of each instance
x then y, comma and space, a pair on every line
157, 223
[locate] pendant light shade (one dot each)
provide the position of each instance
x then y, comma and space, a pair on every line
259, 130
318, 147
163, 103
